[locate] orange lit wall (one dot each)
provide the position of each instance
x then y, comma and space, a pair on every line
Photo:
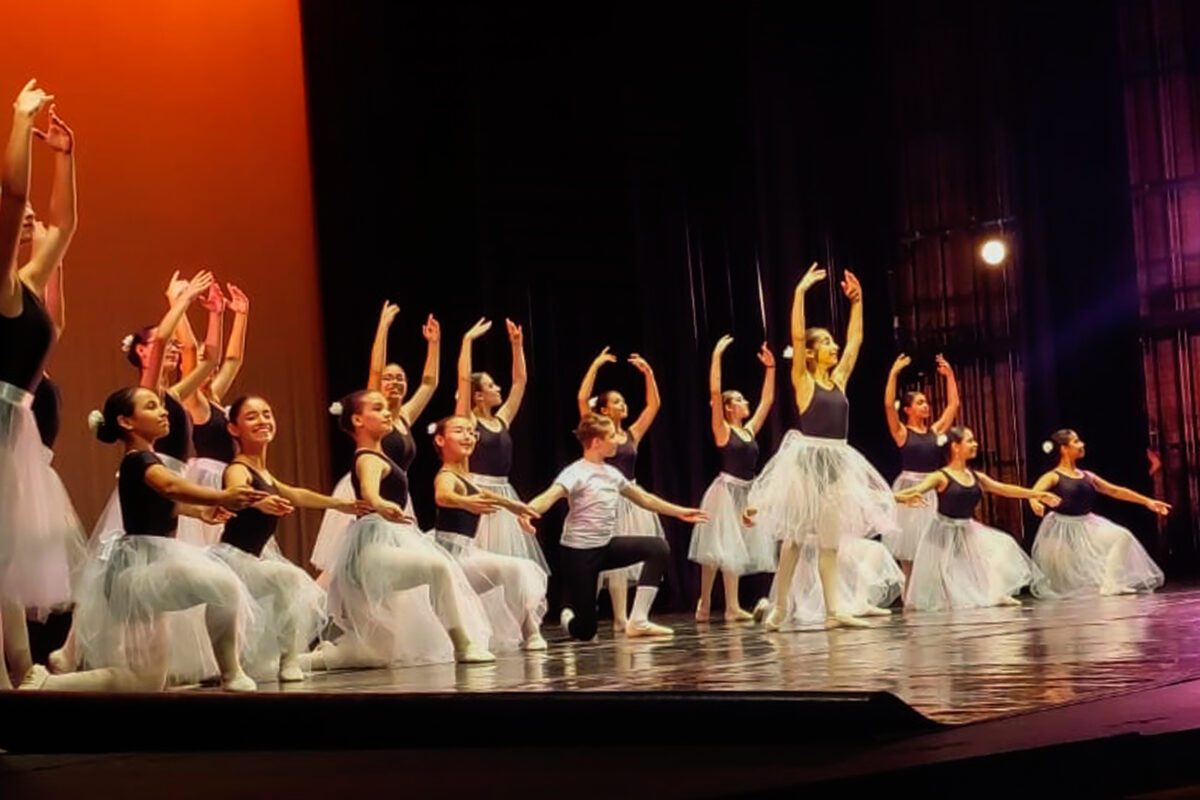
192, 152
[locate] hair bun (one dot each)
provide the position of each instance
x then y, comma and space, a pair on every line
335, 408
942, 439
127, 343
94, 420
1047, 447
788, 351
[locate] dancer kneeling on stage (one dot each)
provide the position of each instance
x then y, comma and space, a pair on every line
592, 488
961, 563
1083, 553
122, 623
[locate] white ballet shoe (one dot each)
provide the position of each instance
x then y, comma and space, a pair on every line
876, 611
240, 682
646, 628
738, 615
1113, 590
534, 643
1009, 601
564, 619
289, 670
774, 620
474, 654
761, 609
847, 621
35, 678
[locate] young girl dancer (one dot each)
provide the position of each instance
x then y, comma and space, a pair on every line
632, 519
961, 563
590, 543
399, 597
1082, 553
399, 444
293, 603
723, 543
919, 454
39, 536
480, 401
460, 504
818, 495
121, 620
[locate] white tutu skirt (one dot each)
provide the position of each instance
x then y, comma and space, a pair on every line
500, 532
911, 521
632, 520
1089, 555
154, 603
724, 542
961, 563
821, 487
292, 606
40, 535
395, 592
523, 582
210, 474
334, 525
868, 577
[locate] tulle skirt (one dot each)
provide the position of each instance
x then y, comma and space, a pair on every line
152, 601
1089, 555
821, 487
961, 563
911, 521
724, 542
500, 532
632, 520
40, 535
868, 577
523, 582
334, 525
292, 606
395, 592
210, 474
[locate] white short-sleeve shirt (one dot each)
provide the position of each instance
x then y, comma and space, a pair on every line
593, 491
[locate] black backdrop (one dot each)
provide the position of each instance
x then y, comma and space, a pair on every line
631, 176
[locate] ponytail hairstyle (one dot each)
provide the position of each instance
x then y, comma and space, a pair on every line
105, 423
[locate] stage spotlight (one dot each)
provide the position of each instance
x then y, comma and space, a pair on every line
994, 251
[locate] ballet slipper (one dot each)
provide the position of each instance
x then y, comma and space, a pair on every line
847, 621
1009, 601
647, 628
738, 615
761, 609
239, 682
534, 643
35, 678
474, 654
289, 669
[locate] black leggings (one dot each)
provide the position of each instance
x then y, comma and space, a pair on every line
581, 570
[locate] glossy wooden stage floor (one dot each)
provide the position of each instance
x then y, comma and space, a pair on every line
954, 667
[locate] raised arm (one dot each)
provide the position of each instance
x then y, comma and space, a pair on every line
589, 381
188, 386
235, 353
1016, 492
720, 428
432, 332
1044, 484
387, 316
653, 402
854, 331
767, 398
802, 382
62, 217
895, 427
189, 348
653, 502
952, 402
516, 393
546, 500
1129, 495
152, 364
462, 405
56, 301
14, 191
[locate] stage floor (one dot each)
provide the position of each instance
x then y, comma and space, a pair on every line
954, 667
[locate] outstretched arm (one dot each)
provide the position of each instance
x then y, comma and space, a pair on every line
235, 353
447, 495
895, 427
1044, 484
512, 404
934, 480
462, 405
653, 502
854, 331
952, 402
306, 498
173, 487
432, 332
14, 190
589, 381
653, 402
546, 500
1016, 492
379, 347
1130, 496
720, 428
62, 216
371, 472
802, 382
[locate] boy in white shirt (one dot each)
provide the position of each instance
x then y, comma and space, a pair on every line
592, 487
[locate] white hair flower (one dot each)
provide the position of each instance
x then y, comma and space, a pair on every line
592, 402
787, 351
335, 408
127, 343
942, 439
1047, 447
897, 405
94, 420
432, 428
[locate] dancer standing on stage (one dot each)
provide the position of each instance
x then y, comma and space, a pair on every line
399, 445
1082, 553
479, 400
121, 612
818, 495
920, 454
399, 597
961, 563
592, 487
723, 543
460, 504
632, 519
39, 535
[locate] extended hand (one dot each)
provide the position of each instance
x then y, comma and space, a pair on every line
57, 135
478, 329
766, 356
811, 278
431, 330
852, 287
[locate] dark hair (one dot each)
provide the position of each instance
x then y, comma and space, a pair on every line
140, 336
810, 338
592, 426
1058, 440
908, 398
476, 383
235, 407
727, 398
603, 398
351, 404
953, 436
119, 404
439, 427
397, 366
